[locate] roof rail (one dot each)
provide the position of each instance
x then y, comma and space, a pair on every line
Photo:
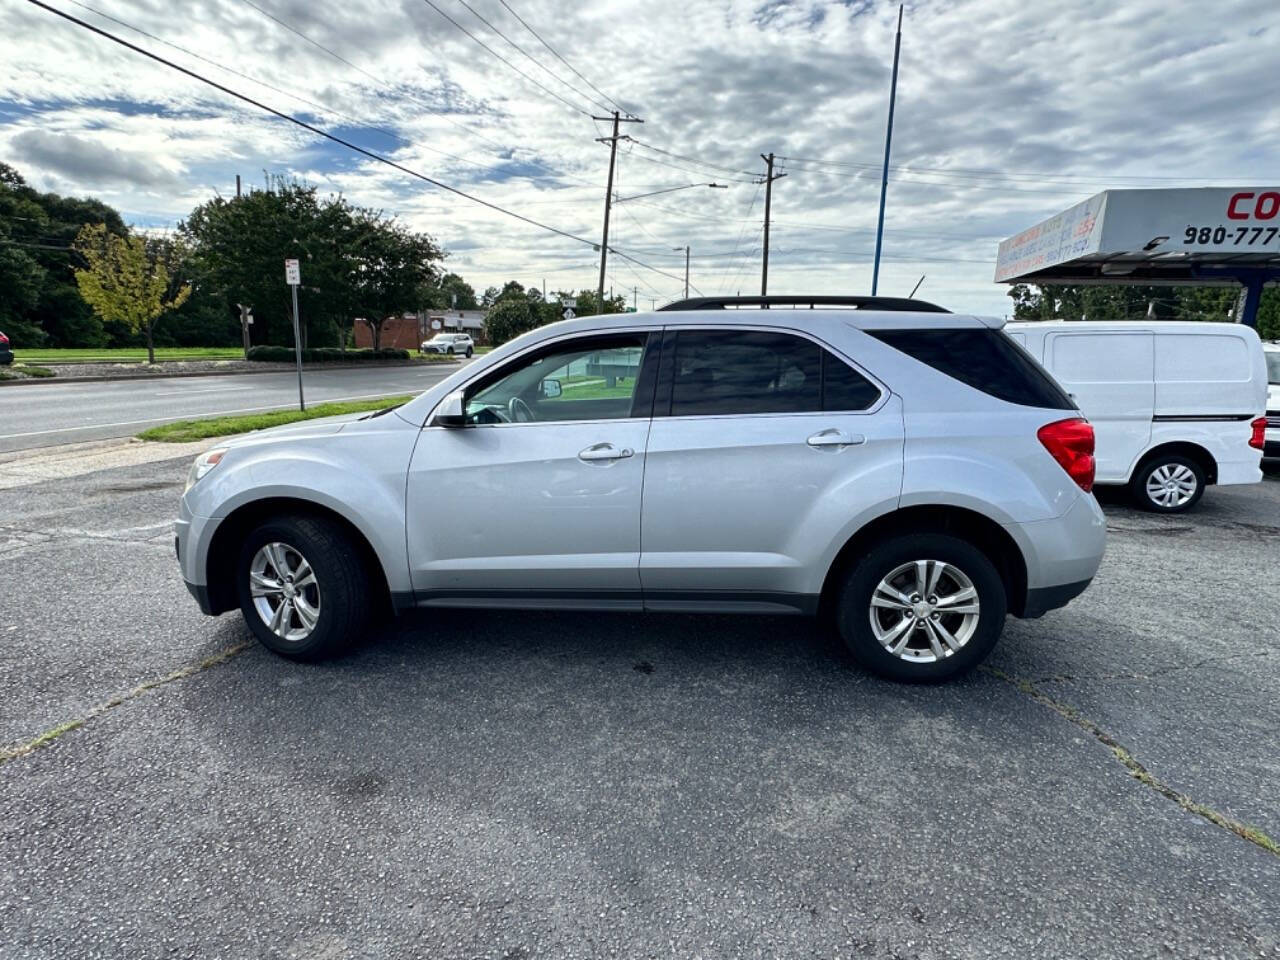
859, 303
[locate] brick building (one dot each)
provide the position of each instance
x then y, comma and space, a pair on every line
408, 330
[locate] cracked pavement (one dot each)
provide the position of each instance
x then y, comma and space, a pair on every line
503, 784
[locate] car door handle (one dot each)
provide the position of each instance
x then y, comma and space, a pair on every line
604, 451
835, 438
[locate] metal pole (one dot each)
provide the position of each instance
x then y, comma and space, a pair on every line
297, 346
888, 138
686, 271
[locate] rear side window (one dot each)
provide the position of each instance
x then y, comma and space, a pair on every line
748, 371
986, 360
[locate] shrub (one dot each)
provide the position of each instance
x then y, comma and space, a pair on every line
270, 354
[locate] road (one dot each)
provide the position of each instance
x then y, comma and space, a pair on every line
503, 784
44, 414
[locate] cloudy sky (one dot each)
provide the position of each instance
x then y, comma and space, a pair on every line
1007, 112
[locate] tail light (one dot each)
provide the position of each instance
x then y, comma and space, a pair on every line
1258, 439
1070, 442
4, 339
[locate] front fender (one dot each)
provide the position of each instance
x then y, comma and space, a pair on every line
358, 473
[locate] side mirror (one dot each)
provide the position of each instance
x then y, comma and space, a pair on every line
452, 411
551, 389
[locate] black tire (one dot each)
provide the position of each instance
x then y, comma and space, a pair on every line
450, 351
1177, 467
854, 609
469, 353
342, 591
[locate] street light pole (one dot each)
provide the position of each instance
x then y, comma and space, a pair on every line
686, 269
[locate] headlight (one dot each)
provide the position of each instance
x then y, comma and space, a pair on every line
203, 464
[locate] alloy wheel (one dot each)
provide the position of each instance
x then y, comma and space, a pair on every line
285, 592
1171, 485
924, 611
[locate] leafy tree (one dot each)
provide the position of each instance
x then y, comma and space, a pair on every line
354, 261
453, 286
41, 227
1132, 302
509, 318
489, 297
129, 280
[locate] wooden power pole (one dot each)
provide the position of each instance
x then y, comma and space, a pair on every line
769, 177
608, 195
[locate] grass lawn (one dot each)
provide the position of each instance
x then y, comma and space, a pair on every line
124, 354
185, 431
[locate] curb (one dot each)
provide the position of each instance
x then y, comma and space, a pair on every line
219, 373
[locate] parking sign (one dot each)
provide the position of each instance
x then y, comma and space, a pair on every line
292, 275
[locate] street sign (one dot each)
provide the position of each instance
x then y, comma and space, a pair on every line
292, 275
568, 313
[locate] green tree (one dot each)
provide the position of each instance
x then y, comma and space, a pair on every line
354, 261
41, 227
129, 280
452, 287
509, 318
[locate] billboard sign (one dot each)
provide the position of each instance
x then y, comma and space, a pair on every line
1149, 225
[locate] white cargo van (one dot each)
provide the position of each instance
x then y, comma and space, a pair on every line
1174, 406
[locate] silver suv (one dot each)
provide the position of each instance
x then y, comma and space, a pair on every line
908, 472
449, 344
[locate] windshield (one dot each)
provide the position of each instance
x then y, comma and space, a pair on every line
1273, 367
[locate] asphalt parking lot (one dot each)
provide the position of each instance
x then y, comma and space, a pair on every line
514, 785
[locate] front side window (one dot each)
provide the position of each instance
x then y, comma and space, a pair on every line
586, 379
749, 371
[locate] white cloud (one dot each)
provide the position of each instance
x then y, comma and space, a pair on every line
1077, 90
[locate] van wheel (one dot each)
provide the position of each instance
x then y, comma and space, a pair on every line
922, 607
1168, 484
303, 590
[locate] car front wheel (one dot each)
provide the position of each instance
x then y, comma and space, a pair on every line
1168, 484
303, 590
922, 607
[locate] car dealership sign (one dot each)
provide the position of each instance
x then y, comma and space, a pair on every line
1150, 224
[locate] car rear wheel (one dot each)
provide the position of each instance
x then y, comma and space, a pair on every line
469, 352
303, 590
922, 607
1168, 484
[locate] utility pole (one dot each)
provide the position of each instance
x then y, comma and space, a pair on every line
245, 320
888, 139
635, 291
769, 177
237, 186
608, 194
686, 271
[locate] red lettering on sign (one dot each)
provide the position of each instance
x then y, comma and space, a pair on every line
1268, 205
1232, 213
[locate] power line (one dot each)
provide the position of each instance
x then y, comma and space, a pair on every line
491, 51
429, 106
328, 136
680, 156
534, 60
556, 54
288, 93
690, 170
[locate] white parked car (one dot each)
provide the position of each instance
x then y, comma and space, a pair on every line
1271, 447
1176, 405
450, 344
906, 471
